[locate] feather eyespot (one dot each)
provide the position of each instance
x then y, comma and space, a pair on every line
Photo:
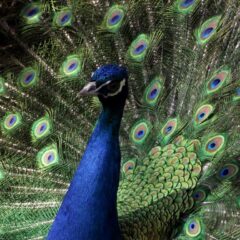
207, 30
168, 130
139, 47
48, 156
41, 128
153, 92
11, 122
186, 6
228, 171
199, 195
31, 13
170, 127
202, 114
214, 145
71, 67
140, 132
28, 77
128, 167
114, 18
217, 81
187, 3
219, 78
63, 18
193, 227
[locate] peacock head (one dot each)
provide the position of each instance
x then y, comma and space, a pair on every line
109, 83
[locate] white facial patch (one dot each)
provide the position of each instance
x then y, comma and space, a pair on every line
122, 84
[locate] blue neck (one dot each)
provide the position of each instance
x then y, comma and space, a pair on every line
89, 208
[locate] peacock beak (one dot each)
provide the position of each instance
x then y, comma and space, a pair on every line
89, 89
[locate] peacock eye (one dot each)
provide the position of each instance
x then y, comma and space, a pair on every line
114, 86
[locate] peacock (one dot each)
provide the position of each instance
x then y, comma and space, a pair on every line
119, 120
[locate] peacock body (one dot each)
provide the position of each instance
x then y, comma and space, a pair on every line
174, 65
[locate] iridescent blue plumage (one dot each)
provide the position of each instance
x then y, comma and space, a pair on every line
94, 186
109, 72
